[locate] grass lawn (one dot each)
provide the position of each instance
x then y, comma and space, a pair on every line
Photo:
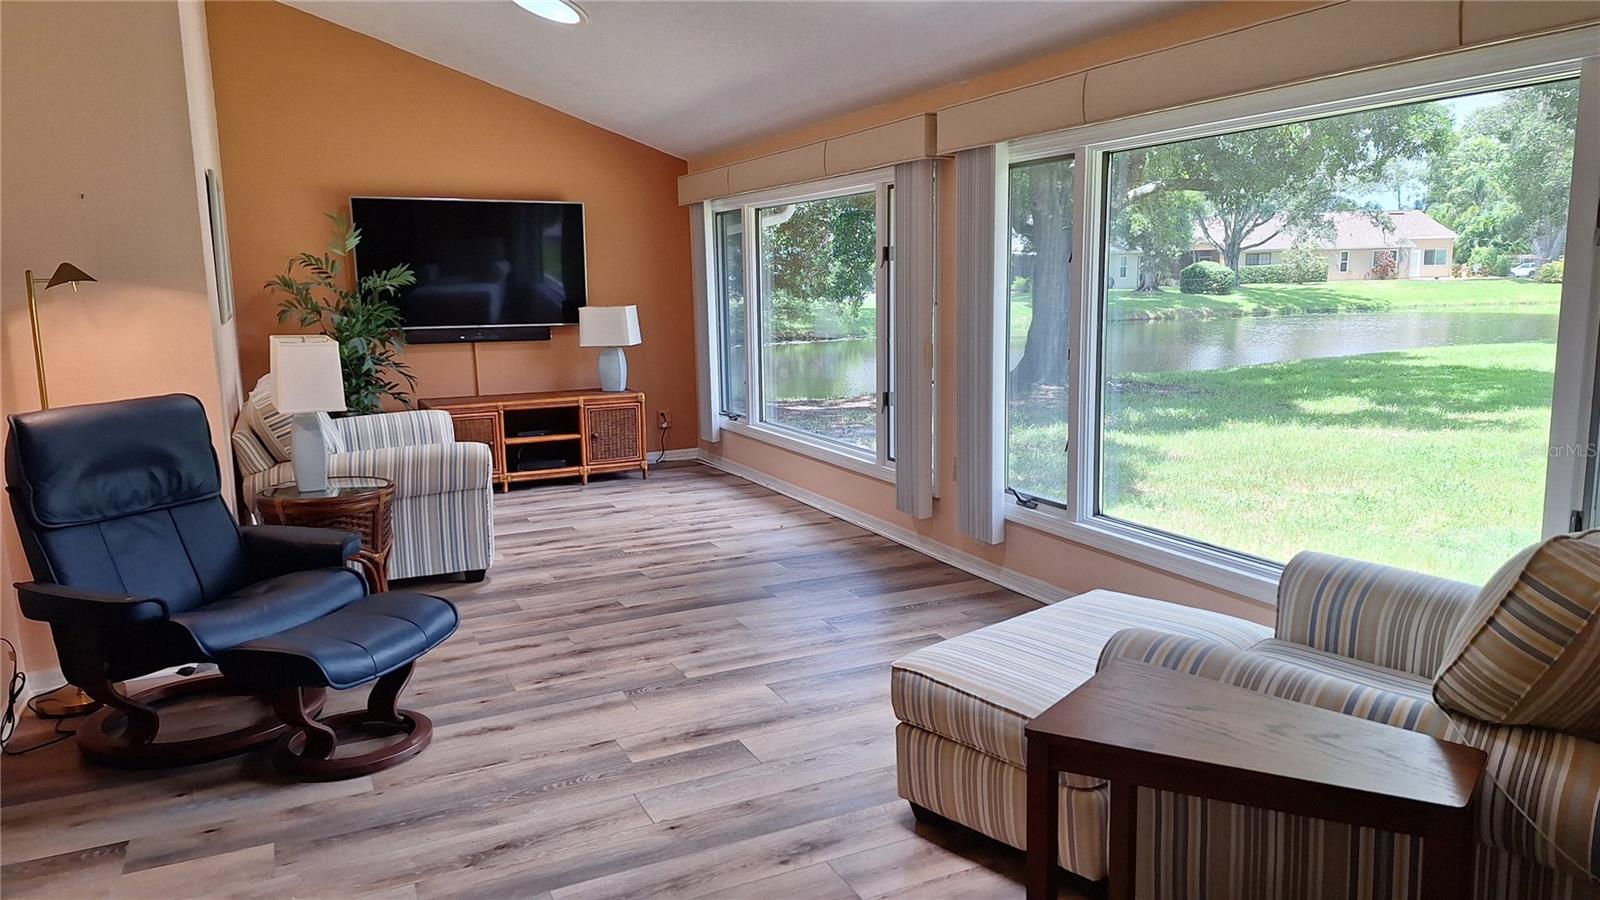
1431, 459
1328, 297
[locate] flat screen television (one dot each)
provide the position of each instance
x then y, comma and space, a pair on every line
487, 270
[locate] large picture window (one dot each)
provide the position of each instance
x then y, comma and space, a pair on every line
1039, 288
1298, 365
815, 267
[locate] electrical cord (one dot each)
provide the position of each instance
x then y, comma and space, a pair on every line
663, 454
8, 722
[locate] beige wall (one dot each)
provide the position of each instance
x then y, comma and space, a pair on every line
1439, 271
1072, 566
97, 167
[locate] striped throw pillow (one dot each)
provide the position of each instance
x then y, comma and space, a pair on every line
275, 430
1528, 650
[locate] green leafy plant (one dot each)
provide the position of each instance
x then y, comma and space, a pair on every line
362, 319
1278, 273
1550, 272
1206, 277
1306, 264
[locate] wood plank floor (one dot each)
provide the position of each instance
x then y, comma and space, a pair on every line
675, 688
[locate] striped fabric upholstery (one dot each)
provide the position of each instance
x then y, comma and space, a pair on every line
1528, 651
991, 796
1294, 673
1385, 616
1362, 640
444, 501
248, 453
275, 429
1540, 800
406, 428
981, 688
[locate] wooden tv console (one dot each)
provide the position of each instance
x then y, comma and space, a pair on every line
553, 434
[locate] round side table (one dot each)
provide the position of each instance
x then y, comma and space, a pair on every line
358, 503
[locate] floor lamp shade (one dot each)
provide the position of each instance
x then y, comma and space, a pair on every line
307, 380
611, 328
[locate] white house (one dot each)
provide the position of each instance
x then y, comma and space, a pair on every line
1419, 245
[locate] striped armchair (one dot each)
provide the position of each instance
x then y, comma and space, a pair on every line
1358, 638
444, 502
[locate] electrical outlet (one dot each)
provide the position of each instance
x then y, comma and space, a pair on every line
664, 418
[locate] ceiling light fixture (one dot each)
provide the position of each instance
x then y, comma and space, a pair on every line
562, 11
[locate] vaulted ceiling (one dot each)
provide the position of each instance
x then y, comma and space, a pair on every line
691, 76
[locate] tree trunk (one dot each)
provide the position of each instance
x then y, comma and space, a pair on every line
1044, 356
1149, 276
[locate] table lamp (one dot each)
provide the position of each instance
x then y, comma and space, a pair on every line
306, 380
610, 327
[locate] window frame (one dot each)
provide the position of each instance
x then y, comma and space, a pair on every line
1470, 71
879, 463
724, 374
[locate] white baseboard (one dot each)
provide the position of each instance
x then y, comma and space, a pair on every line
687, 453
1026, 585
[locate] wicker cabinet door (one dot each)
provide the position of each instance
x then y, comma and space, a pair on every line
613, 433
480, 428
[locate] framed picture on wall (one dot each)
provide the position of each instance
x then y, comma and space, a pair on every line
219, 246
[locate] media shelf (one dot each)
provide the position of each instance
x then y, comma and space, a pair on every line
553, 434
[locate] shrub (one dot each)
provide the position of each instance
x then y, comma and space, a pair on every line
1486, 260
1385, 268
1275, 274
1306, 264
1206, 277
1551, 272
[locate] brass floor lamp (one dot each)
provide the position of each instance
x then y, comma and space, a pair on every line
66, 700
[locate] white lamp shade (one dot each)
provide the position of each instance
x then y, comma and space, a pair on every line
305, 374
608, 326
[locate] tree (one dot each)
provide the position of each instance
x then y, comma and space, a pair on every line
1535, 126
1159, 225
1501, 184
1041, 218
821, 261
1285, 178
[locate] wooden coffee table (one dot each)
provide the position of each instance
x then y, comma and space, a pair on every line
1137, 725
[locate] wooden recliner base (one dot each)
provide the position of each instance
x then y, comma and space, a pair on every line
306, 752
125, 730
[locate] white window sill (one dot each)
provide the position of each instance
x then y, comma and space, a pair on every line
795, 443
1256, 581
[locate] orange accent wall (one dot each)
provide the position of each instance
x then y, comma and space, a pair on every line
310, 113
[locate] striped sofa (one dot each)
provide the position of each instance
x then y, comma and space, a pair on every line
1359, 638
444, 502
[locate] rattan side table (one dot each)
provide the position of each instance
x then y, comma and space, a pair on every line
358, 503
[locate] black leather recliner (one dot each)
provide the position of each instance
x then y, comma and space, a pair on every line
140, 566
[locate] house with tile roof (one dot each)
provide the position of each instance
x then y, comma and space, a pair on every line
1359, 243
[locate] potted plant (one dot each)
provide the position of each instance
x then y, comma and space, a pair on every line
362, 319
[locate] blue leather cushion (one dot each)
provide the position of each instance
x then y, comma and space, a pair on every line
368, 638
269, 607
81, 464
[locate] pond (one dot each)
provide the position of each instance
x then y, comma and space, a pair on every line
840, 369
1197, 345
